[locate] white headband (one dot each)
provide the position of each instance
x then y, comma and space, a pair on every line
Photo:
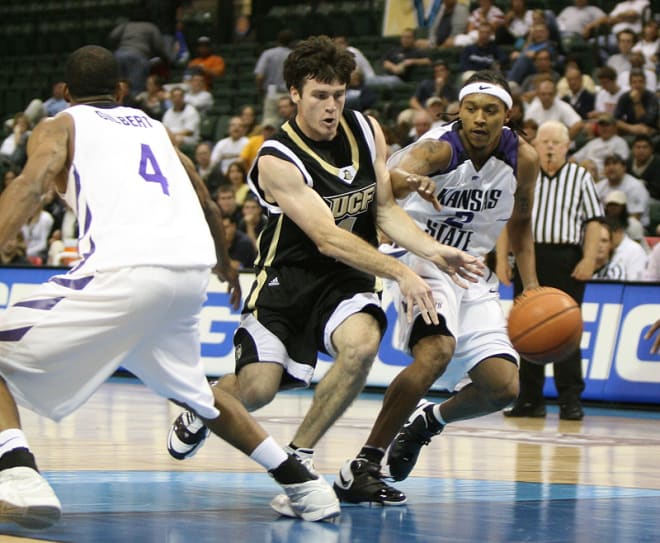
486, 88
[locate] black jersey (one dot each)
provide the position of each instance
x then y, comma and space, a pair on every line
340, 170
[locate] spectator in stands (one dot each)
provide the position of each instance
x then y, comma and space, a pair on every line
616, 206
637, 61
361, 61
228, 149
609, 93
253, 220
575, 22
451, 21
243, 31
226, 199
591, 167
544, 69
620, 61
57, 102
210, 64
649, 43
359, 95
182, 120
237, 177
548, 107
616, 178
269, 76
605, 268
644, 164
486, 11
8, 175
13, 150
197, 95
136, 42
626, 15
440, 85
154, 100
202, 160
517, 22
422, 122
484, 54
249, 119
249, 152
523, 61
13, 253
286, 109
627, 253
36, 233
436, 108
241, 249
578, 97
606, 143
652, 271
399, 60
637, 109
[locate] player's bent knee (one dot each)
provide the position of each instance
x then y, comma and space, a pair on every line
503, 396
255, 393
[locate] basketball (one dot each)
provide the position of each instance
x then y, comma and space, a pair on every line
545, 325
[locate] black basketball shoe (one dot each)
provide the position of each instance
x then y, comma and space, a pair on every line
416, 432
360, 481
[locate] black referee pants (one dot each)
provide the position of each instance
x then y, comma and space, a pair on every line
554, 265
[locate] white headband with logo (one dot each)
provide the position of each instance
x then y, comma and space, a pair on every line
486, 88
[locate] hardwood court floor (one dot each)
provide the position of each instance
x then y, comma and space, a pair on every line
490, 479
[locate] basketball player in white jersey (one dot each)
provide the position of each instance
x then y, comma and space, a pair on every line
462, 183
134, 300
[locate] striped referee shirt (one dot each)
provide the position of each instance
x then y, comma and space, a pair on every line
563, 204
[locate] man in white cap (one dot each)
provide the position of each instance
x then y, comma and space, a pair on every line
616, 178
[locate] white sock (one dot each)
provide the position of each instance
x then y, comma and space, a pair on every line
438, 416
269, 454
11, 439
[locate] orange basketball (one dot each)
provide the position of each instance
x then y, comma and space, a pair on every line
545, 325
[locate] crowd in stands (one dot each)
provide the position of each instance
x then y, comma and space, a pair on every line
595, 71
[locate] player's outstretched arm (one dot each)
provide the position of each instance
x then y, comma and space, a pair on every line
410, 175
519, 227
223, 269
283, 184
47, 151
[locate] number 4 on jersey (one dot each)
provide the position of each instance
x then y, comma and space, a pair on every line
150, 170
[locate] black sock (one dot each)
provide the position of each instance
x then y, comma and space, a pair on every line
432, 423
291, 471
18, 457
372, 454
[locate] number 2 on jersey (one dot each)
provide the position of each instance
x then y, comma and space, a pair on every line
150, 170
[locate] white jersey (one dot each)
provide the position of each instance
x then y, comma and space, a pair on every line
134, 201
476, 204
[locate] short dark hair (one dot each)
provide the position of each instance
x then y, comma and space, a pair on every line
318, 58
643, 137
91, 71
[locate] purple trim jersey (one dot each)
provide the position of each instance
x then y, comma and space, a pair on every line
476, 204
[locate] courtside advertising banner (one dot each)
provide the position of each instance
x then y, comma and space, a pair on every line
616, 359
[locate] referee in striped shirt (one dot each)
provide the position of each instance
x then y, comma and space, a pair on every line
566, 229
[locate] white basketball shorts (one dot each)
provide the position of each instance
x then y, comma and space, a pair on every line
473, 315
62, 342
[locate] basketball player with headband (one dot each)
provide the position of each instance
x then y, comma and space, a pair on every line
461, 183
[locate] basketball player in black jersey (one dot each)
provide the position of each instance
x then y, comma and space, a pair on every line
324, 182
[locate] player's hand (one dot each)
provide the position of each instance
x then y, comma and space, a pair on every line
425, 187
655, 348
459, 265
418, 293
230, 275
